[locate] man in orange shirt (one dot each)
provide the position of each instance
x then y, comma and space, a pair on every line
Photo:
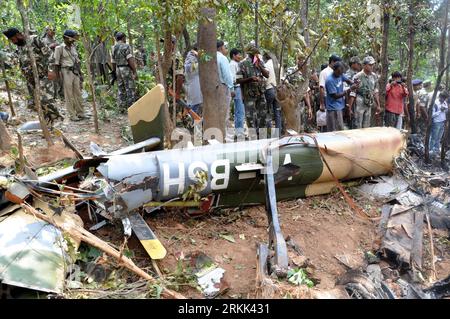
396, 91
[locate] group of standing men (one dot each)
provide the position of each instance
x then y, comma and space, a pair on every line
249, 81
59, 67
359, 97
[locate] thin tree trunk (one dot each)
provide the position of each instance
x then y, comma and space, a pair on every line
384, 54
21, 155
87, 53
317, 14
168, 127
167, 57
241, 39
256, 23
214, 93
5, 139
8, 91
37, 89
174, 89
304, 16
447, 75
442, 69
411, 36
400, 53
187, 40
130, 38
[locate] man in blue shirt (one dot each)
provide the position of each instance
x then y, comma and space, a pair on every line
334, 86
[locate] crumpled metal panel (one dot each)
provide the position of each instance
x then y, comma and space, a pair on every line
33, 252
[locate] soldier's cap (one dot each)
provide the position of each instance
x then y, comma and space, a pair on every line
354, 59
334, 58
11, 32
119, 36
70, 34
369, 60
417, 82
252, 49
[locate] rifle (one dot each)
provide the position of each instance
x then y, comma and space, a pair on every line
186, 109
113, 75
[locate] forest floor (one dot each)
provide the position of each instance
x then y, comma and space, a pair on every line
324, 227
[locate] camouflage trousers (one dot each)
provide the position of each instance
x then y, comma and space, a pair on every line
49, 109
126, 87
363, 113
257, 113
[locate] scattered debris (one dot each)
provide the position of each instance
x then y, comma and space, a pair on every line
209, 276
383, 187
402, 240
210, 282
33, 253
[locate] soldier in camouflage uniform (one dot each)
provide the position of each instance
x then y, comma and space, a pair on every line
124, 67
355, 68
42, 54
49, 40
251, 76
366, 96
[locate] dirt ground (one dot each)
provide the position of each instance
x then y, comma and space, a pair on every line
324, 227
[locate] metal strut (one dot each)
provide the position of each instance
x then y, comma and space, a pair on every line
279, 262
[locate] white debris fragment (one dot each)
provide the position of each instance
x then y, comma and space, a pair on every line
210, 282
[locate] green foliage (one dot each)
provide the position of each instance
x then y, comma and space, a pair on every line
146, 81
281, 28
298, 276
64, 163
88, 253
193, 191
182, 276
154, 291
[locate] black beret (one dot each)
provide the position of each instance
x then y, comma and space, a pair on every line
11, 32
70, 33
120, 35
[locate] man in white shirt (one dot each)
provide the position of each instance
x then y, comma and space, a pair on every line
439, 115
324, 74
270, 93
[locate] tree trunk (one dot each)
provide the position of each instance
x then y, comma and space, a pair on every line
442, 69
305, 22
409, 74
187, 40
130, 38
317, 15
214, 93
87, 53
167, 30
256, 23
447, 80
174, 89
168, 127
5, 139
37, 89
241, 39
384, 54
8, 91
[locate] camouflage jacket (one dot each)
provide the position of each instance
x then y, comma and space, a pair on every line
251, 90
121, 52
41, 53
368, 84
